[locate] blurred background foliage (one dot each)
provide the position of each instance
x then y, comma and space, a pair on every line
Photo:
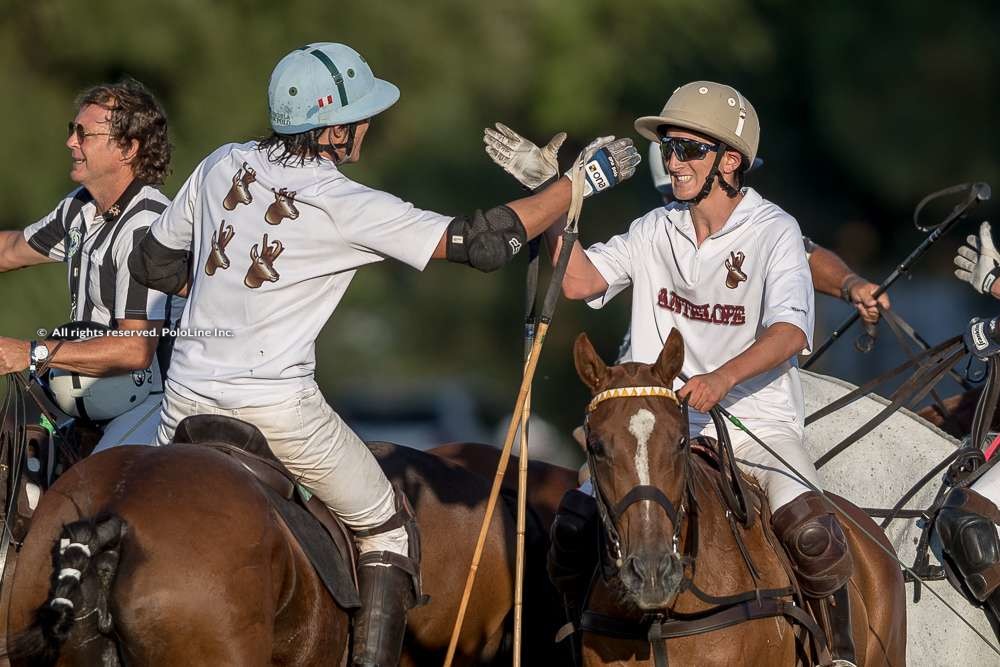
865, 107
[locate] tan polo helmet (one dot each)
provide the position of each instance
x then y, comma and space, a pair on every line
709, 108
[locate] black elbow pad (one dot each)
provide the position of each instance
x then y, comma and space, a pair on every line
488, 240
158, 267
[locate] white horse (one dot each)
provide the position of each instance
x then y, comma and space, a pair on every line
875, 472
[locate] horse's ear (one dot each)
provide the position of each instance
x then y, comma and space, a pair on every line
671, 358
589, 365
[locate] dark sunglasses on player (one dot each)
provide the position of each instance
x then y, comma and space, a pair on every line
684, 149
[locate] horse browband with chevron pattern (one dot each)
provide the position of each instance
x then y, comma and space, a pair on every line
631, 392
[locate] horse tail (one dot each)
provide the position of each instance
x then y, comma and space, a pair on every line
84, 563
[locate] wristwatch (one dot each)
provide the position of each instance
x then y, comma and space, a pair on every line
39, 353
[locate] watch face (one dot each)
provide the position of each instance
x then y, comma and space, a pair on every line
40, 353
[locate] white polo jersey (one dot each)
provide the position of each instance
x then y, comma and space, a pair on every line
274, 249
721, 296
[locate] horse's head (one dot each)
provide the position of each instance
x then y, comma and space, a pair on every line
637, 450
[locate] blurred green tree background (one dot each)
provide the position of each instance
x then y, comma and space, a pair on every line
865, 107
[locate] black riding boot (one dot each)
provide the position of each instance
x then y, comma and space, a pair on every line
972, 551
573, 553
389, 586
386, 595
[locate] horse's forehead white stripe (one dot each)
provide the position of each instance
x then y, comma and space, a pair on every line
641, 426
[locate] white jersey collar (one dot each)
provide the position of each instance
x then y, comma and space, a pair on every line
680, 217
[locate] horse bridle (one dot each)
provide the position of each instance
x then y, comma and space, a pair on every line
610, 515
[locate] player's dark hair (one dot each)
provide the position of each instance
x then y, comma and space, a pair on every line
293, 149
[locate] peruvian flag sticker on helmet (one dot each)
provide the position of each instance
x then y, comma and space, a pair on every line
323, 101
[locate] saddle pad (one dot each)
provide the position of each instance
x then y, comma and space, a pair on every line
328, 556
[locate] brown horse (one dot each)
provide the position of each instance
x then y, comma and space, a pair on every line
673, 554
546, 482
188, 564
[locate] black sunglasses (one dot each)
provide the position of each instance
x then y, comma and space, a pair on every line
82, 134
685, 149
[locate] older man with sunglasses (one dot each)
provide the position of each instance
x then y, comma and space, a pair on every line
120, 153
727, 268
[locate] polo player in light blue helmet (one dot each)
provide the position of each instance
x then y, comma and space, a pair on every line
267, 236
320, 86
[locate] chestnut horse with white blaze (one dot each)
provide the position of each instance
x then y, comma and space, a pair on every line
679, 577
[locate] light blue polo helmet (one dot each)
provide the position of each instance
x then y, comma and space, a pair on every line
325, 84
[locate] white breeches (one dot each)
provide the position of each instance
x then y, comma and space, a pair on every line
315, 445
781, 485
988, 485
138, 426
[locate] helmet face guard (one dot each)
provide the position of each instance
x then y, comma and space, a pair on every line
97, 398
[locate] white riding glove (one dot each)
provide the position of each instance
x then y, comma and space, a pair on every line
977, 261
530, 165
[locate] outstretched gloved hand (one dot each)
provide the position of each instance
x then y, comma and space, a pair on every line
982, 337
977, 261
612, 161
530, 165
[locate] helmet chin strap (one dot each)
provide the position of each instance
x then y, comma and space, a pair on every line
714, 174
348, 145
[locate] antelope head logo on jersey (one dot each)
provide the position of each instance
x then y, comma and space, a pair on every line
240, 192
262, 264
735, 266
217, 258
283, 207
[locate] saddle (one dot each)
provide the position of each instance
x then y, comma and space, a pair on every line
326, 541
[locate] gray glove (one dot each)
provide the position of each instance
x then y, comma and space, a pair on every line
977, 261
611, 162
530, 165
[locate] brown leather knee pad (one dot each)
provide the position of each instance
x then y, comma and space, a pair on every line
816, 544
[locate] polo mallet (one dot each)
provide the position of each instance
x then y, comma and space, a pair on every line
569, 236
977, 192
530, 323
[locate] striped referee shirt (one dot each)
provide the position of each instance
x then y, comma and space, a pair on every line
96, 249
